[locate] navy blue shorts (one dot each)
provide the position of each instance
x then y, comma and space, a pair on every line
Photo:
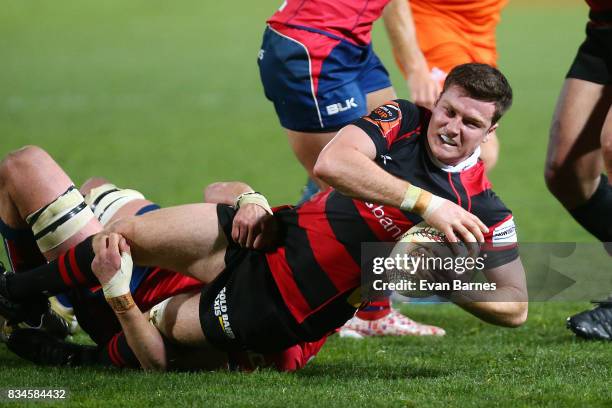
317, 82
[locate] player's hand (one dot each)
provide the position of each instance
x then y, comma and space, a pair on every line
424, 90
254, 227
108, 249
456, 223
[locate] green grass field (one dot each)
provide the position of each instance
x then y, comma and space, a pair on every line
165, 97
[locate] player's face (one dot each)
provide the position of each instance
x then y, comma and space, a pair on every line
459, 124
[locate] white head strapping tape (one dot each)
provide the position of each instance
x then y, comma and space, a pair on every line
107, 199
55, 223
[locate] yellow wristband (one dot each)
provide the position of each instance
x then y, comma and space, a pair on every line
420, 202
121, 304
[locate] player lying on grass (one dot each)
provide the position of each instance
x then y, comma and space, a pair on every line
30, 178
390, 170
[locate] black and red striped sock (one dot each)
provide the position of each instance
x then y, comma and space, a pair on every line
69, 270
21, 248
375, 310
118, 353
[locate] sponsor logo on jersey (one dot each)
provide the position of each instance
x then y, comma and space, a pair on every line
220, 310
385, 113
387, 223
336, 108
385, 117
505, 233
385, 158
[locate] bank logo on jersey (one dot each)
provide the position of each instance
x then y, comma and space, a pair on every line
386, 117
220, 309
336, 108
505, 233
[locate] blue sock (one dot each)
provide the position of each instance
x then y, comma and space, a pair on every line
309, 190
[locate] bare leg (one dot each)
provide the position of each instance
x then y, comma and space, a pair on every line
606, 144
574, 161
377, 98
186, 239
29, 180
181, 321
306, 147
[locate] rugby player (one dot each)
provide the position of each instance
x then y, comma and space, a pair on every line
580, 149
30, 178
318, 67
448, 34
390, 170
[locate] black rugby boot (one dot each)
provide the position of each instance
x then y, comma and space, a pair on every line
36, 313
595, 324
41, 348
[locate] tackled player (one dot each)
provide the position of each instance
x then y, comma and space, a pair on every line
415, 163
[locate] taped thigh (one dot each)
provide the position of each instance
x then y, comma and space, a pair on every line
59, 220
107, 199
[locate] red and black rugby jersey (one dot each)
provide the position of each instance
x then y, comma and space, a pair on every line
347, 19
318, 266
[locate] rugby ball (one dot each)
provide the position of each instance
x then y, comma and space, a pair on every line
428, 264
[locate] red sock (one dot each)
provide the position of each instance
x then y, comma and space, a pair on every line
118, 353
71, 269
375, 310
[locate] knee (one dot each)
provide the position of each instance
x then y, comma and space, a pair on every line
606, 150
15, 162
92, 183
556, 168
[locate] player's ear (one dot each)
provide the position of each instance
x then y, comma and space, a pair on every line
491, 130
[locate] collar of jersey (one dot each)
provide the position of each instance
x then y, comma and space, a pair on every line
459, 167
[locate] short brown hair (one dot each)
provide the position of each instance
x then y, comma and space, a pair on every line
484, 83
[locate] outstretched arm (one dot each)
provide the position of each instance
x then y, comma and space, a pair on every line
507, 305
347, 164
410, 59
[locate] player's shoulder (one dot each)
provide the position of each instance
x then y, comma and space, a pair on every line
398, 115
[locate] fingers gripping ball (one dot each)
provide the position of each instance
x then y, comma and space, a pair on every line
429, 262
117, 289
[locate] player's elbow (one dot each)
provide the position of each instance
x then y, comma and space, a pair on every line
214, 192
518, 316
324, 167
154, 364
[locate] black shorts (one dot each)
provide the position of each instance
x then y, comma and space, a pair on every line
243, 309
593, 61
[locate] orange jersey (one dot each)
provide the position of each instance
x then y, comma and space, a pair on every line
453, 32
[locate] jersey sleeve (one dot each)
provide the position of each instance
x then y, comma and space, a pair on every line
389, 123
501, 242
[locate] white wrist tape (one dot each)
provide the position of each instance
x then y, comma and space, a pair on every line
421, 202
120, 283
253, 197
